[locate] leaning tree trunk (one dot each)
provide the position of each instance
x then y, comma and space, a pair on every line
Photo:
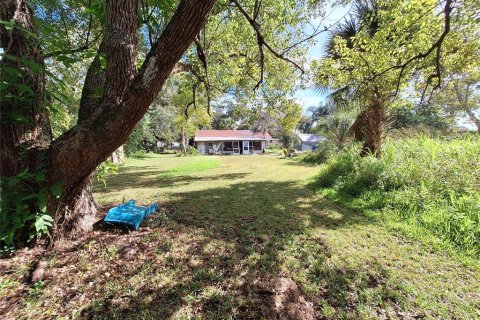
127, 96
474, 118
104, 123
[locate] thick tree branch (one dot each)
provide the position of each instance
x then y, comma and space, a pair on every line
194, 100
256, 9
93, 87
181, 67
120, 48
203, 59
201, 53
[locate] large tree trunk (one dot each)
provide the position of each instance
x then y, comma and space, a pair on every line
357, 130
374, 128
128, 94
25, 131
370, 125
105, 123
25, 127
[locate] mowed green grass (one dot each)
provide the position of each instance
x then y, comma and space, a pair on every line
262, 209
229, 227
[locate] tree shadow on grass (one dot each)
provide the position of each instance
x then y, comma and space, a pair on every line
300, 163
151, 177
259, 209
248, 225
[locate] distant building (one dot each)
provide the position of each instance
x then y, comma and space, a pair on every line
310, 141
234, 142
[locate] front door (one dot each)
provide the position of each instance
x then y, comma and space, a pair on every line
246, 149
201, 147
236, 147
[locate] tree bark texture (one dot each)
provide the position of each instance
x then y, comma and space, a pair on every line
25, 127
374, 127
93, 87
370, 125
357, 130
105, 121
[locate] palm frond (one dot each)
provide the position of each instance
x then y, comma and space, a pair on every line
346, 30
366, 13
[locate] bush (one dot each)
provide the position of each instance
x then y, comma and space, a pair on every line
432, 183
191, 151
23, 208
140, 155
105, 170
320, 155
274, 150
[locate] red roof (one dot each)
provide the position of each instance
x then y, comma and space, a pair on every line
204, 135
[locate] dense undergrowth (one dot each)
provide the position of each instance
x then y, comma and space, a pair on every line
424, 183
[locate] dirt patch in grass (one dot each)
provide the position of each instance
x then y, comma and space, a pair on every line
285, 301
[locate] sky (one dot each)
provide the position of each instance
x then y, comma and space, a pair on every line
310, 96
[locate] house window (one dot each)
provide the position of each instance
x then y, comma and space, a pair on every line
255, 145
227, 146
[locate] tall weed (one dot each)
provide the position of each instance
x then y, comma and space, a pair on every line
433, 183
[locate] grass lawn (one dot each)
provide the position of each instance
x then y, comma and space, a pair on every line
240, 237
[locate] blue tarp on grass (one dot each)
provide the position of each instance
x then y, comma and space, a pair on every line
129, 214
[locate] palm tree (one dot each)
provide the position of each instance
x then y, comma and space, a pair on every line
337, 128
371, 121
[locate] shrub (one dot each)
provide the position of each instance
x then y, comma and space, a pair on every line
105, 170
274, 150
320, 155
191, 151
140, 155
432, 183
23, 208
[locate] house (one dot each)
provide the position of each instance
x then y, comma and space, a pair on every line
231, 141
309, 141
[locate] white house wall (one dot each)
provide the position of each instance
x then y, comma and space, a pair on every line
306, 147
202, 147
